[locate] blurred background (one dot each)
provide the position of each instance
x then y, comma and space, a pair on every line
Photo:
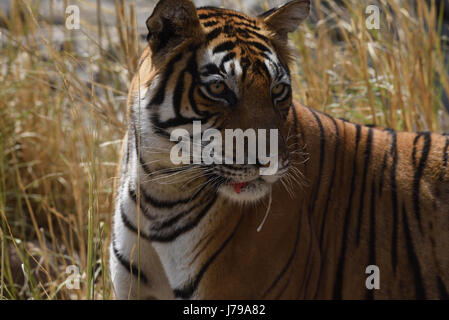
62, 114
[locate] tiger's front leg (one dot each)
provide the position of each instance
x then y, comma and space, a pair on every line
136, 270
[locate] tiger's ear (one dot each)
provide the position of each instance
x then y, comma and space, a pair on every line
172, 22
287, 18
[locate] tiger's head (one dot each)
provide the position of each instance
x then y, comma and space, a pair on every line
226, 70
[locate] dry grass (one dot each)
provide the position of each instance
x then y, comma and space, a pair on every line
60, 131
393, 77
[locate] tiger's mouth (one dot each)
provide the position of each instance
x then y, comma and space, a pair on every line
245, 190
238, 186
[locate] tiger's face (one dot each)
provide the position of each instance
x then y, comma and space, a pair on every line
227, 71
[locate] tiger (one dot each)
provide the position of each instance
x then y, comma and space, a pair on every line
346, 198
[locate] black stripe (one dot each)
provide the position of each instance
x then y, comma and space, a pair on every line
245, 64
315, 197
192, 67
200, 247
204, 96
132, 194
331, 185
129, 225
394, 200
368, 151
330, 190
308, 272
259, 54
246, 25
237, 32
178, 94
247, 21
221, 13
208, 24
229, 30
127, 265
159, 226
180, 87
279, 72
161, 204
145, 167
157, 130
213, 34
258, 45
127, 153
338, 288
446, 153
419, 173
137, 141
225, 46
284, 287
321, 163
159, 97
382, 173
179, 120
261, 68
251, 32
445, 158
164, 204
225, 59
185, 228
161, 127
187, 291
414, 262
210, 70
168, 237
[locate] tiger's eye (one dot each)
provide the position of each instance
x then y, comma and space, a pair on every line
277, 90
217, 88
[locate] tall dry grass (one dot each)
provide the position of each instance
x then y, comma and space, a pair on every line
396, 76
62, 120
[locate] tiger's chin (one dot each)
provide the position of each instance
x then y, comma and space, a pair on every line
246, 192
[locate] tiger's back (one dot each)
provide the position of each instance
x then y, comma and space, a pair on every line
379, 198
